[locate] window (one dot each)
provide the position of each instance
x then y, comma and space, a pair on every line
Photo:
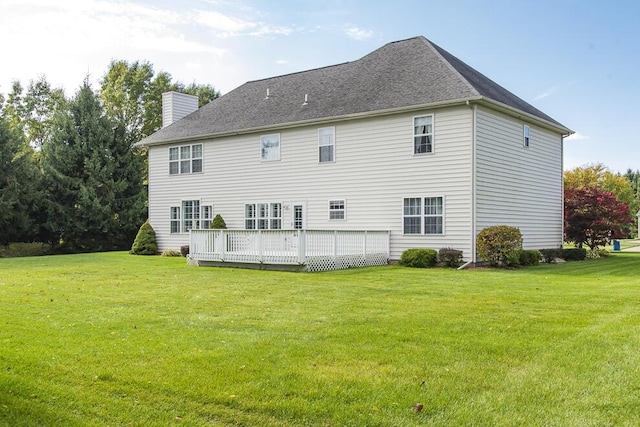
423, 215
185, 159
525, 135
423, 134
326, 144
175, 219
412, 215
270, 147
250, 217
337, 209
263, 216
433, 210
190, 215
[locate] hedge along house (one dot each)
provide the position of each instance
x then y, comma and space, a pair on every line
408, 140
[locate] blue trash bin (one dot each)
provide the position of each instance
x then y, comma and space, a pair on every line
616, 245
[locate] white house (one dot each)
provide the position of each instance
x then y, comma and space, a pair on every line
408, 139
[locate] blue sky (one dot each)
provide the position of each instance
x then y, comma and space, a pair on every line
578, 61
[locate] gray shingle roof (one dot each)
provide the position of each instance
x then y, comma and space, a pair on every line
401, 74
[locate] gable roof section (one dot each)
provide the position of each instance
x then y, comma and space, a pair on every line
400, 75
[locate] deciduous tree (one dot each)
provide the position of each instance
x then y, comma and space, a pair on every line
594, 216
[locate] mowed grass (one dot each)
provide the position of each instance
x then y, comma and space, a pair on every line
114, 339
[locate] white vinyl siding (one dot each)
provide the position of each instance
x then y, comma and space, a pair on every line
326, 144
176, 105
521, 188
373, 174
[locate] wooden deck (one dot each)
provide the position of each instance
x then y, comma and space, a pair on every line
308, 250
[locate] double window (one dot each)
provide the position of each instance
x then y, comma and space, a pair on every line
423, 215
326, 144
270, 147
337, 209
185, 159
423, 134
263, 216
190, 215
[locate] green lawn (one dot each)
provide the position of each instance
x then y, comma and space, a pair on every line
113, 339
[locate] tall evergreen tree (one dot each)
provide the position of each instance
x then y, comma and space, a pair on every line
95, 197
19, 179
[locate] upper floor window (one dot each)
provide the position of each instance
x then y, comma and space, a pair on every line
190, 215
525, 135
263, 216
270, 147
326, 144
423, 134
337, 209
423, 215
185, 159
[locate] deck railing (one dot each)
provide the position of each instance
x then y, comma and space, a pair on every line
315, 249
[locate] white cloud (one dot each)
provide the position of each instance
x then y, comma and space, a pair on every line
282, 62
576, 137
547, 93
358, 33
69, 39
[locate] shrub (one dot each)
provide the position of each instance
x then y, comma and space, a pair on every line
184, 250
593, 254
574, 254
419, 258
145, 242
218, 222
171, 252
550, 255
450, 257
499, 245
530, 257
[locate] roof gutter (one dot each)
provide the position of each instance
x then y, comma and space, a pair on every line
514, 112
323, 120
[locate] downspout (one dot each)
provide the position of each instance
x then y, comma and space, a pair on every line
562, 190
473, 184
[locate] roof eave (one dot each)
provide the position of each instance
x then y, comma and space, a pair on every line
322, 120
517, 113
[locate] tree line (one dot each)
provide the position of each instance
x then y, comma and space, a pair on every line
70, 175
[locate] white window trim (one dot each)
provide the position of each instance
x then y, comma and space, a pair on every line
269, 218
433, 135
343, 210
333, 145
423, 215
526, 136
181, 216
191, 159
279, 147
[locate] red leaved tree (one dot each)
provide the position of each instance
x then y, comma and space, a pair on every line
594, 216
